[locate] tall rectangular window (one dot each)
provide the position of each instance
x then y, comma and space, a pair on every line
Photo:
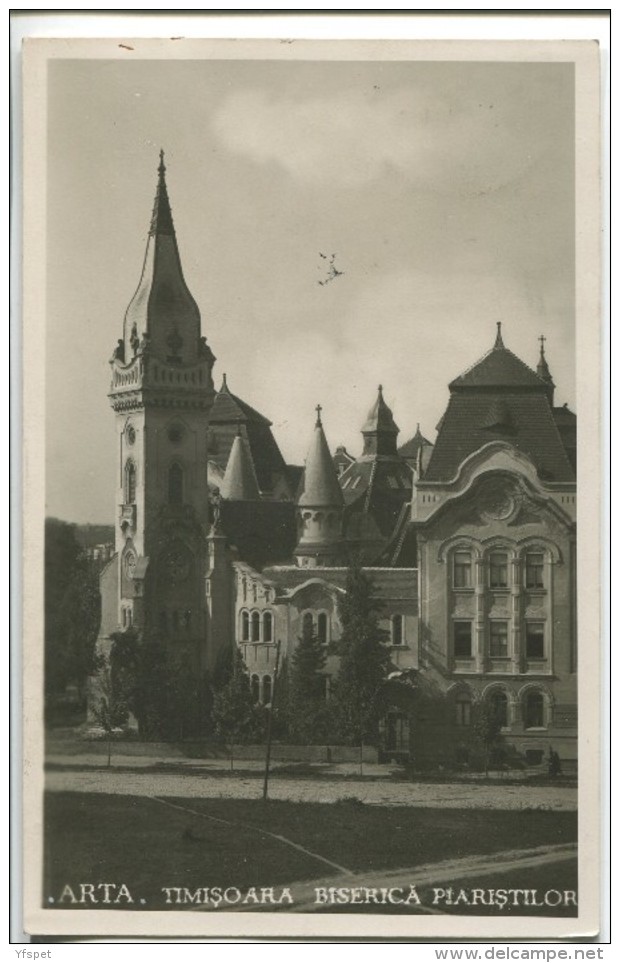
462, 707
534, 568
498, 570
462, 640
398, 635
498, 639
535, 640
462, 570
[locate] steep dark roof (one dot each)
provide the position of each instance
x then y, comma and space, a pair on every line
227, 407
533, 431
499, 398
566, 420
410, 448
261, 532
497, 369
227, 414
295, 477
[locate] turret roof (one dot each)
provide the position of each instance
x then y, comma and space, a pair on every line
240, 482
380, 417
320, 486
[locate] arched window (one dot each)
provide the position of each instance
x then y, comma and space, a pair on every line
307, 624
245, 626
266, 689
498, 570
499, 707
255, 622
255, 687
462, 577
130, 482
175, 484
462, 709
534, 716
267, 627
534, 570
124, 617
321, 628
398, 635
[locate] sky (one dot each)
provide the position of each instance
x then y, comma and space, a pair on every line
445, 190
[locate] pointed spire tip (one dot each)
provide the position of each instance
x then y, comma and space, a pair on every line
319, 423
499, 343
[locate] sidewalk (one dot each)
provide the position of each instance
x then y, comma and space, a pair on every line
209, 782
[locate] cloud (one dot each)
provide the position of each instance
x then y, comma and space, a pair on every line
452, 143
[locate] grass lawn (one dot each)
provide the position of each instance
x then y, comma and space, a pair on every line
137, 841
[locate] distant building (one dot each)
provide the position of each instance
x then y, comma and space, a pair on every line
469, 542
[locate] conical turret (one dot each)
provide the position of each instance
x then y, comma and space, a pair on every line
380, 430
162, 311
240, 484
320, 505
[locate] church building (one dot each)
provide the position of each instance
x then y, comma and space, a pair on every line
469, 542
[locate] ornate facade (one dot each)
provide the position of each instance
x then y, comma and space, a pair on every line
469, 542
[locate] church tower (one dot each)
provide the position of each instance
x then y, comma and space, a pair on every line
161, 392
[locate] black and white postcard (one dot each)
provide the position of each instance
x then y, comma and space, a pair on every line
311, 372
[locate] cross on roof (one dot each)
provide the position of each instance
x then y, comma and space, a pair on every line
542, 340
318, 409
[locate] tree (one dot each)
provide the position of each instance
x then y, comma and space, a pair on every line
109, 706
236, 718
188, 699
306, 708
487, 725
140, 672
364, 661
72, 610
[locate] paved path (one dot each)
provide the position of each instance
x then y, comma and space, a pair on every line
372, 792
444, 873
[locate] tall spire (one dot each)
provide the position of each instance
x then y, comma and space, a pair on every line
380, 430
240, 483
499, 343
163, 308
161, 221
542, 369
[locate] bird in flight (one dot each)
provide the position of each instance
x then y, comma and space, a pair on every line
332, 270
